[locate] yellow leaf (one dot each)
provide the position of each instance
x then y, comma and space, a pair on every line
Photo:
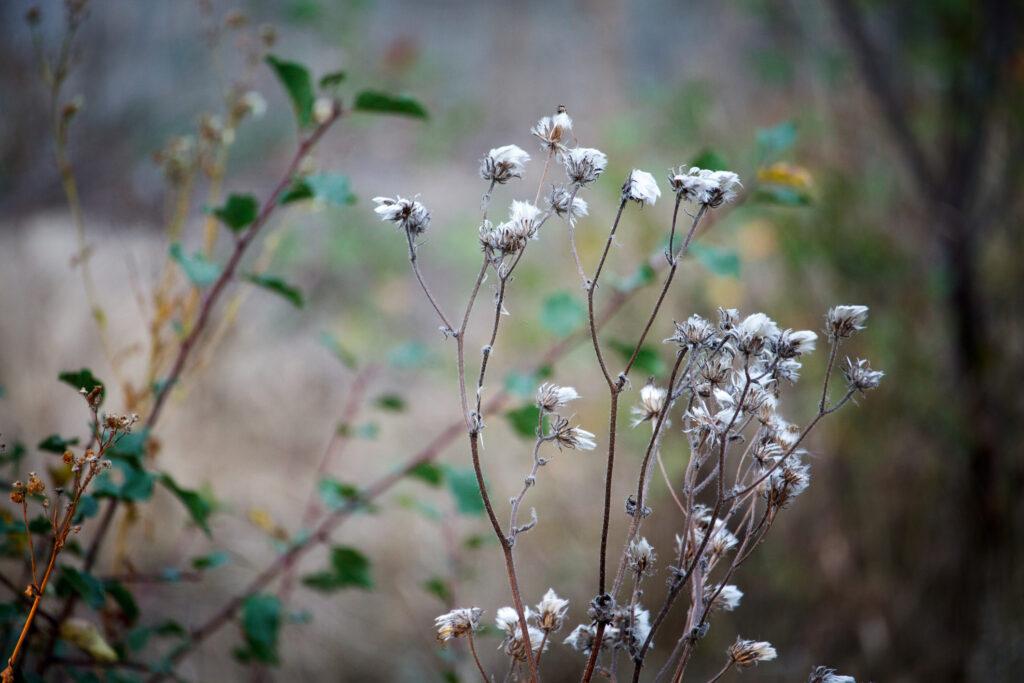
786, 174
86, 637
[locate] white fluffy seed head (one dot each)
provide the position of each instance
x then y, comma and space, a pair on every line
641, 187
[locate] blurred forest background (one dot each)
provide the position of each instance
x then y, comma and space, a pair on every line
902, 562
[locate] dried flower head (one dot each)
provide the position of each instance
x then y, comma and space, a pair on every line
553, 131
860, 376
843, 321
824, 674
584, 165
690, 185
694, 332
408, 214
652, 402
641, 556
790, 344
726, 599
575, 438
747, 653
755, 330
786, 483
507, 619
582, 638
559, 199
726, 183
18, 492
552, 396
504, 163
551, 611
641, 187
35, 485
457, 623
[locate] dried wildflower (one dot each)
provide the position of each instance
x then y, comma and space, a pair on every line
843, 321
522, 216
860, 376
35, 485
408, 214
695, 332
728, 319
507, 619
503, 163
632, 629
726, 183
786, 483
824, 674
641, 187
553, 131
558, 200
641, 556
652, 402
68, 457
249, 103
584, 165
727, 599
582, 637
552, 396
691, 185
747, 653
18, 492
574, 438
457, 623
551, 611
755, 330
790, 344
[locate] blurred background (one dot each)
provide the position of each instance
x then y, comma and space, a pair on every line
894, 134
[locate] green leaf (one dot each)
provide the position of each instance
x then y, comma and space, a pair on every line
278, 286
329, 188
261, 624
238, 212
130, 447
771, 142
297, 82
55, 444
217, 558
464, 488
332, 79
524, 384
392, 402
438, 587
124, 599
378, 102
349, 569
710, 160
524, 420
427, 510
85, 585
136, 483
410, 355
647, 360
562, 314
641, 277
82, 379
336, 494
199, 508
332, 344
718, 260
782, 196
198, 269
427, 472
88, 506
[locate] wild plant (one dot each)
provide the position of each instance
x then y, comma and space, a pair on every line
726, 389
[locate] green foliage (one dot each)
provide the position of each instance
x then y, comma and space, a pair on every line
298, 84
439, 588
349, 569
130, 447
124, 599
562, 314
199, 508
427, 472
332, 79
773, 142
136, 483
410, 355
217, 558
82, 379
647, 360
525, 384
524, 420
83, 584
55, 444
335, 494
197, 268
343, 354
330, 188
392, 402
374, 101
137, 639
641, 277
261, 625
463, 486
238, 212
278, 286
710, 160
718, 260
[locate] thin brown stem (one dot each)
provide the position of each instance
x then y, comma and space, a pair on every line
479, 666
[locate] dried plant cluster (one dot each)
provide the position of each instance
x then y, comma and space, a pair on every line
725, 392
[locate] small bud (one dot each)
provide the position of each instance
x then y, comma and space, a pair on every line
324, 109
